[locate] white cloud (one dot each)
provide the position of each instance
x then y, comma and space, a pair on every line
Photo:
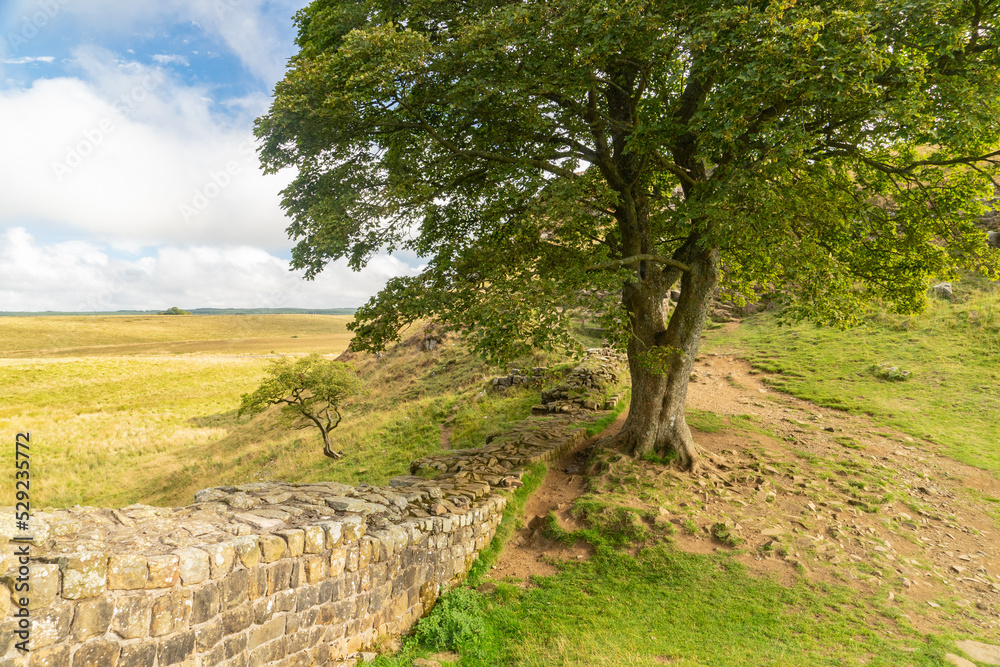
82, 276
171, 59
256, 31
131, 154
27, 60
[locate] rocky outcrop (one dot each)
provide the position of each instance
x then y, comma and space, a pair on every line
267, 573
518, 378
590, 386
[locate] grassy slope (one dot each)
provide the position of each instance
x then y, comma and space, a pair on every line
112, 427
663, 606
952, 397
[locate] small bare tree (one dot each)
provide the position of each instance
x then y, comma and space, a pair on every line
310, 389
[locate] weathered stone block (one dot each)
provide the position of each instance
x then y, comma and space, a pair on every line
236, 620
176, 649
44, 582
317, 569
271, 630
162, 571
263, 610
53, 656
235, 589
132, 616
306, 597
257, 586
193, 565
92, 617
315, 539
338, 561
127, 572
208, 635
295, 540
138, 655
206, 604
248, 550
334, 531
353, 557
272, 547
171, 613
84, 575
97, 654
221, 558
278, 576
354, 528
50, 626
235, 646
268, 653
285, 600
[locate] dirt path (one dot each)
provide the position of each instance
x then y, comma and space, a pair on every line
530, 553
805, 491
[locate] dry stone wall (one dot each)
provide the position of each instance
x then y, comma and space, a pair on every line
292, 575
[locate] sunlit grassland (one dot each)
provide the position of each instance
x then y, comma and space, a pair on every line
116, 425
109, 335
952, 350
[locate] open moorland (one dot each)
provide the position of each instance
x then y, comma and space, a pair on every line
852, 518
125, 409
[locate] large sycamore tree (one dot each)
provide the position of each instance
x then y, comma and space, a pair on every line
542, 155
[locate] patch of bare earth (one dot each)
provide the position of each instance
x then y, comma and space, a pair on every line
530, 553
806, 492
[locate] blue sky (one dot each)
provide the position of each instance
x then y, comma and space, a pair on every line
128, 178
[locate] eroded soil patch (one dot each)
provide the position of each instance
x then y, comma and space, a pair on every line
803, 491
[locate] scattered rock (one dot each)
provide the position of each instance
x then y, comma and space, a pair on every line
953, 659
943, 290
987, 654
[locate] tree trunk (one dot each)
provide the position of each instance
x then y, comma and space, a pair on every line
661, 360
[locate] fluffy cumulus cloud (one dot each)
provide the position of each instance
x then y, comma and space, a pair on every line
81, 276
127, 152
145, 156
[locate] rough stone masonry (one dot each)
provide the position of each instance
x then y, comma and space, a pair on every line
292, 575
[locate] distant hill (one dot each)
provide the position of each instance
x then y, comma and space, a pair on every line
195, 311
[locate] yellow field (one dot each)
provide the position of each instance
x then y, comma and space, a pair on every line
117, 405
110, 335
126, 409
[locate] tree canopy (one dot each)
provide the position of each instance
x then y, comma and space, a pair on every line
310, 390
542, 156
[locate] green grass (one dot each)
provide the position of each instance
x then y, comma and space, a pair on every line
952, 351
116, 424
663, 606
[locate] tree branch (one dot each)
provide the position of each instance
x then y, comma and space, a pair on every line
680, 266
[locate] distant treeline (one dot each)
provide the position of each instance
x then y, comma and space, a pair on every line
200, 311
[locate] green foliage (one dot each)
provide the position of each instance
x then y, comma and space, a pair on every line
456, 622
311, 389
890, 373
721, 532
174, 310
552, 154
